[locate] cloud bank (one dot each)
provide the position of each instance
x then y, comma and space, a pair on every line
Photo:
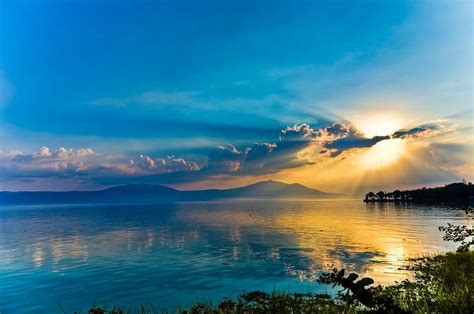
296, 145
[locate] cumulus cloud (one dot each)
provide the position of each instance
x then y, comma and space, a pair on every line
44, 161
162, 165
298, 132
333, 139
343, 136
225, 158
296, 146
302, 144
146, 165
84, 164
258, 158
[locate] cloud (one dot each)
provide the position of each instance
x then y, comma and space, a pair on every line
84, 164
335, 139
161, 165
297, 145
44, 162
423, 131
353, 141
298, 132
343, 136
224, 158
256, 159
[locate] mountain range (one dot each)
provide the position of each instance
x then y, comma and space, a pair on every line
150, 193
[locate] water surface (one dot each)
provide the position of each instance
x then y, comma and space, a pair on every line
70, 256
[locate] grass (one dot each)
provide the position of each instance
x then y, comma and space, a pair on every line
441, 284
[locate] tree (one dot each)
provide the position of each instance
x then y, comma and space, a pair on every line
370, 196
381, 195
397, 194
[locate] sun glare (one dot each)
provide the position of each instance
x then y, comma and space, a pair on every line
379, 124
383, 154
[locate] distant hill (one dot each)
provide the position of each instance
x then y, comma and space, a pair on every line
149, 193
272, 189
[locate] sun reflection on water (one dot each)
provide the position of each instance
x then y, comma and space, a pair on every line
210, 247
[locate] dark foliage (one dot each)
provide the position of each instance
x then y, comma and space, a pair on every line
358, 291
455, 192
460, 233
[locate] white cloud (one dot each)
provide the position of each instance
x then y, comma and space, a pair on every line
44, 161
84, 163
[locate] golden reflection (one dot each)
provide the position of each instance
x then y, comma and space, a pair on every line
334, 233
375, 240
38, 256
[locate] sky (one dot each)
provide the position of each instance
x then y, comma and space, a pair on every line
342, 96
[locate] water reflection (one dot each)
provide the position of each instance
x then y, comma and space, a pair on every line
174, 253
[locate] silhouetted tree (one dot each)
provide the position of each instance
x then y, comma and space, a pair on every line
454, 192
397, 194
370, 196
381, 195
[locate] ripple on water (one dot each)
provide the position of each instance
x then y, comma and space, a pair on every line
170, 254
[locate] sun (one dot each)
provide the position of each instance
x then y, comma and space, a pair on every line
383, 154
379, 124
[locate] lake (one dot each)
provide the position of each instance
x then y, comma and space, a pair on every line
70, 256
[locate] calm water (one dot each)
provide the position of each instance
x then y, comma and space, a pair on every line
175, 254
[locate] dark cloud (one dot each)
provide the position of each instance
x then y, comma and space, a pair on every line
341, 129
259, 158
338, 137
224, 158
264, 158
353, 141
422, 131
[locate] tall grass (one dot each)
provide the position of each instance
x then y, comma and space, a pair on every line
443, 284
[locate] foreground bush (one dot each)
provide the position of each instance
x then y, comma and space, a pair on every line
255, 302
443, 283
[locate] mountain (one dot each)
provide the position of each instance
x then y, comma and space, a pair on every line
271, 189
150, 193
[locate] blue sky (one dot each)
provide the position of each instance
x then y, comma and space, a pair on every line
184, 79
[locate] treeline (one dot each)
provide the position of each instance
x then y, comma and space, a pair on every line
458, 192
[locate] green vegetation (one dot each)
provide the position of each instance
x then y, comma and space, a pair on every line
443, 284
460, 233
440, 284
